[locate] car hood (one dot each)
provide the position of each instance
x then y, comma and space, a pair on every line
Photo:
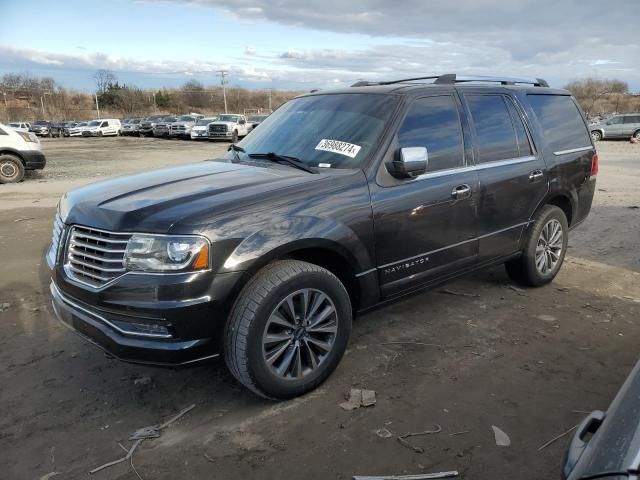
163, 201
222, 123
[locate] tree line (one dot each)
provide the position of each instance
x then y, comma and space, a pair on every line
29, 98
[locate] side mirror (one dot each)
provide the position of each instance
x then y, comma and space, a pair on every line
242, 122
410, 162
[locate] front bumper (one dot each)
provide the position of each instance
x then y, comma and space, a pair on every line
33, 159
220, 134
140, 321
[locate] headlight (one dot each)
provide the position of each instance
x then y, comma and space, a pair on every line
156, 253
28, 137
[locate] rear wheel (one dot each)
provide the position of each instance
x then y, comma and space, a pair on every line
11, 169
596, 135
288, 329
544, 251
636, 135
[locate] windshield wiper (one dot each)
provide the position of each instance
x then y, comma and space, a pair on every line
284, 159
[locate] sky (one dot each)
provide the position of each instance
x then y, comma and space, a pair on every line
308, 44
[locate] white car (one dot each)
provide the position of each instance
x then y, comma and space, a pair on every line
19, 151
103, 128
200, 131
78, 129
20, 126
229, 127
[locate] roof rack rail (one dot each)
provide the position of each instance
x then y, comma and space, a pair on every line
452, 78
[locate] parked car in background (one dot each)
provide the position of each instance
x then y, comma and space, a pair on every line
77, 129
132, 127
20, 126
342, 200
229, 127
200, 131
19, 151
162, 127
102, 128
43, 128
625, 125
147, 124
181, 128
254, 120
606, 445
66, 126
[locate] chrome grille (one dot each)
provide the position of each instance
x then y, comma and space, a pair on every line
95, 257
217, 128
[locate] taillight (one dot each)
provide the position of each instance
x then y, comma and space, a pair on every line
594, 165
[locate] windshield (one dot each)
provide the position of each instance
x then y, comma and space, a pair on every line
169, 119
40, 122
83, 124
335, 130
14, 125
257, 118
205, 121
135, 122
186, 118
228, 118
94, 123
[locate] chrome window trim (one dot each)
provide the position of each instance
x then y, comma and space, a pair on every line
574, 150
481, 166
73, 304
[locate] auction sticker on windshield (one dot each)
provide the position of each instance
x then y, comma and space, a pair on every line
336, 146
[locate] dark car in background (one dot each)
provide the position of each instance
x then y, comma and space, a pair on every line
254, 120
606, 445
43, 128
162, 127
340, 201
147, 124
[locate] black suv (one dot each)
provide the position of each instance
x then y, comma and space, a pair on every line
339, 201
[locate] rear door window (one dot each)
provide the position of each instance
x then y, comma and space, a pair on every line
561, 122
434, 123
495, 135
524, 145
632, 119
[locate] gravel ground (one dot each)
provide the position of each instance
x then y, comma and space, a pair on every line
530, 361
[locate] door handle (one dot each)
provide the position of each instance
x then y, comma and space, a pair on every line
536, 175
461, 191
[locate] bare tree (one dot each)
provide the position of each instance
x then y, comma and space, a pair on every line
103, 79
590, 92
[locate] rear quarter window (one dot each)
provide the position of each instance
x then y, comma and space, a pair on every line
561, 122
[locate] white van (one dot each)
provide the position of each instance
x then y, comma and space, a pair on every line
19, 151
20, 126
102, 128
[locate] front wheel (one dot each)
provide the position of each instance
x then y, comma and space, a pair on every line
288, 329
11, 169
544, 251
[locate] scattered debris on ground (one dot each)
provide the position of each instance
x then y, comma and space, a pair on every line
447, 291
359, 398
140, 436
4, 306
384, 433
555, 439
423, 476
405, 443
146, 380
502, 439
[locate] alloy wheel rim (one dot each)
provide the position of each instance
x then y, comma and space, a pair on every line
549, 247
300, 334
8, 169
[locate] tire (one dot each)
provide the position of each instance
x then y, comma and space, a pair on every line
636, 135
257, 314
50, 135
99, 134
11, 169
234, 137
596, 135
541, 259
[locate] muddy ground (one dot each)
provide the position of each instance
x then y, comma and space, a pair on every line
531, 361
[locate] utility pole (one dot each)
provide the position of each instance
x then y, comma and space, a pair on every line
42, 105
155, 106
6, 108
270, 92
97, 106
223, 81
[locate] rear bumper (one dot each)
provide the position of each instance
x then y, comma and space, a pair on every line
33, 159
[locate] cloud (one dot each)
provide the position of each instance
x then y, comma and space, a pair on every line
249, 50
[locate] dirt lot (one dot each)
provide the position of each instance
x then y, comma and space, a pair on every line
528, 361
